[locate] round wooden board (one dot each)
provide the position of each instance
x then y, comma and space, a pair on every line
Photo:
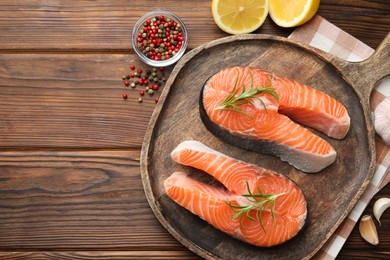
331, 193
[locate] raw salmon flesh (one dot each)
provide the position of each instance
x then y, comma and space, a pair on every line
265, 126
276, 224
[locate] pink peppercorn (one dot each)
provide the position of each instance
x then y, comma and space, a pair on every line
158, 35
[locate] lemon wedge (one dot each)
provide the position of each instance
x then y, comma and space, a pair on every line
291, 13
239, 16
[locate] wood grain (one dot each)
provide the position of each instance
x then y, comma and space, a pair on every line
76, 200
179, 121
71, 101
166, 254
355, 247
70, 185
101, 25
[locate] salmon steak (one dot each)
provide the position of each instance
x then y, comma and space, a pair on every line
256, 110
255, 205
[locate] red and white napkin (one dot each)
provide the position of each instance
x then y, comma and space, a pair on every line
324, 35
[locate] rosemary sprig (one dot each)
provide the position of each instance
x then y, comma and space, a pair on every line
233, 101
260, 202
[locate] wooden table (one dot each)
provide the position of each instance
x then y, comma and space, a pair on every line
70, 184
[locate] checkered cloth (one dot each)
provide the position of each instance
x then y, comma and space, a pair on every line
323, 35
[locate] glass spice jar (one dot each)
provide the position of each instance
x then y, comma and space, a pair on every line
159, 38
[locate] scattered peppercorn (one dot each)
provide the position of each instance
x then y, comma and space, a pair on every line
151, 79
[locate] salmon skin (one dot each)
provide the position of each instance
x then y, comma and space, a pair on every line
275, 224
265, 126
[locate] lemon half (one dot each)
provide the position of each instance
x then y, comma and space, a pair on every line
239, 16
291, 13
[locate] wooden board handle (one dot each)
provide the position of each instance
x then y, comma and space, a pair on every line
379, 63
365, 74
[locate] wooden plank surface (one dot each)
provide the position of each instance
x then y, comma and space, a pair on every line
166, 254
70, 202
76, 200
70, 185
106, 25
72, 101
356, 248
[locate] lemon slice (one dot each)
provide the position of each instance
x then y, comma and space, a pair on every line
239, 16
291, 13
